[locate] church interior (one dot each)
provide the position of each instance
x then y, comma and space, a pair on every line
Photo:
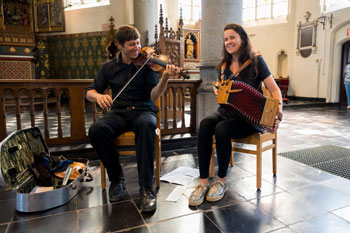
297, 180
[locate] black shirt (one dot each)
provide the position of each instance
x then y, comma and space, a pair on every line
114, 74
263, 72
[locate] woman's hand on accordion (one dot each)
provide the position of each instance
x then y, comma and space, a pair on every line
276, 125
216, 88
277, 122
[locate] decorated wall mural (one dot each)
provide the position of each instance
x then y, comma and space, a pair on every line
76, 56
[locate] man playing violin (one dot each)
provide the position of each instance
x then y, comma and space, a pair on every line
134, 110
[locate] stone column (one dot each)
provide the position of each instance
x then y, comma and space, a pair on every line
215, 15
144, 18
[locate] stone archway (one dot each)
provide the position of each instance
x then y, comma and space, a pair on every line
333, 60
345, 59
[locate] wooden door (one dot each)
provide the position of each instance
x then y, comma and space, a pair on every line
345, 60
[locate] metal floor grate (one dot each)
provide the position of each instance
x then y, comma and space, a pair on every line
329, 158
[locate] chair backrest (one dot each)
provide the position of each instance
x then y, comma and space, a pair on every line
265, 91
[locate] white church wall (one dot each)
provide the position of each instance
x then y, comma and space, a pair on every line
306, 80
94, 19
271, 39
317, 76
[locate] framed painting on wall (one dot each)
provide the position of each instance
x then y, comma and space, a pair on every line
16, 23
49, 16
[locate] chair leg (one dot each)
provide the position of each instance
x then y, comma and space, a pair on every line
232, 160
274, 157
158, 161
258, 164
103, 176
212, 165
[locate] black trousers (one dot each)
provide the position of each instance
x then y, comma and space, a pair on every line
113, 124
224, 128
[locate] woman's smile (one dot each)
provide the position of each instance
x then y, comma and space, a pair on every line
233, 41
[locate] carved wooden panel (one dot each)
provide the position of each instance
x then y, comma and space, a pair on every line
172, 49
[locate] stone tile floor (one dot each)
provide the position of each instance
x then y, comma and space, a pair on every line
299, 199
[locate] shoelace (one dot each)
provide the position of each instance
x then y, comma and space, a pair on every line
148, 193
216, 185
199, 188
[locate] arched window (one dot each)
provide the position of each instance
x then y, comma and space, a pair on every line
191, 10
264, 9
79, 4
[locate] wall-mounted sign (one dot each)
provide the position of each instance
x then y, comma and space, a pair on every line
306, 39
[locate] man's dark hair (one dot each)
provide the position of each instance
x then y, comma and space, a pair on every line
126, 33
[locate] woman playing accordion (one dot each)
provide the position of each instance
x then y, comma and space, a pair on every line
248, 71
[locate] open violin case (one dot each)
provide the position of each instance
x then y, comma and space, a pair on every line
38, 188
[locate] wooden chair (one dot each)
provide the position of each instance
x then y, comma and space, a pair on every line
257, 139
128, 139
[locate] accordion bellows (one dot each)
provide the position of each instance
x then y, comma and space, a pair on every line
249, 103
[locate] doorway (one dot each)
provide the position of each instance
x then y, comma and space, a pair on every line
345, 51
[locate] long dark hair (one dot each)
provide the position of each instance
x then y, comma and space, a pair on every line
245, 51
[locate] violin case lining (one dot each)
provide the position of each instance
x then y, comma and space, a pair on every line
17, 152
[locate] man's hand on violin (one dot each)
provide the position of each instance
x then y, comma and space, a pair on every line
104, 101
171, 70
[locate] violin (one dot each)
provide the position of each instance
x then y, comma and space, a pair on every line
156, 62
147, 57
77, 170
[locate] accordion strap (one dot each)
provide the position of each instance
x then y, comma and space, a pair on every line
242, 67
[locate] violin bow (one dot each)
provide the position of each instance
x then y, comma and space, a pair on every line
127, 83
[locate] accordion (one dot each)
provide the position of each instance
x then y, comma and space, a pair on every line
248, 103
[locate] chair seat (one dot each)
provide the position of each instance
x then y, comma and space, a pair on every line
253, 139
125, 139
